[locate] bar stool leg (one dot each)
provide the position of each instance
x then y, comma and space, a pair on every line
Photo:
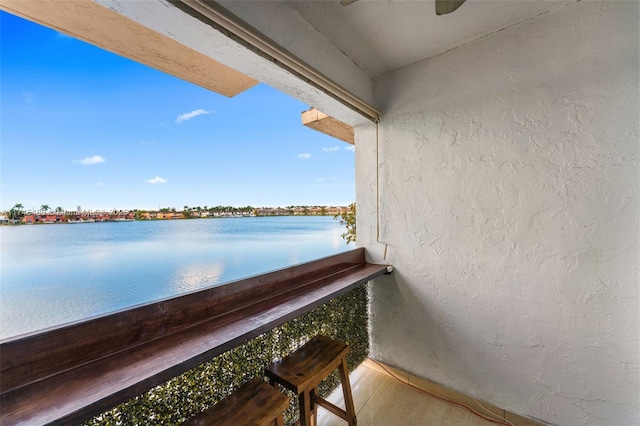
305, 408
346, 391
316, 392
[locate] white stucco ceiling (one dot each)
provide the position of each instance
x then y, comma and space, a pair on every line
382, 35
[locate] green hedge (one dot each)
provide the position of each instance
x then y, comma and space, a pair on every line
344, 318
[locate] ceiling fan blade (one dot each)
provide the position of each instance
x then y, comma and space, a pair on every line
347, 2
446, 6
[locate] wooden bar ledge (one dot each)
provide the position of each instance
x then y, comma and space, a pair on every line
76, 371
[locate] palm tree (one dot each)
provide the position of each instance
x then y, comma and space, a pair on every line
187, 212
16, 211
45, 208
59, 211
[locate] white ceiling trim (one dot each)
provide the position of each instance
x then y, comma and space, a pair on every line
279, 55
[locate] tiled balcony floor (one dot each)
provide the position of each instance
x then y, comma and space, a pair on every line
381, 400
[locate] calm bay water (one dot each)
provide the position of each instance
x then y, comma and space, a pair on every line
55, 274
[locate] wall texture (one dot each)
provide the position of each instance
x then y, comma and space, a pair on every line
509, 201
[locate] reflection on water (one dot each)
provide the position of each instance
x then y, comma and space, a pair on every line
194, 277
56, 274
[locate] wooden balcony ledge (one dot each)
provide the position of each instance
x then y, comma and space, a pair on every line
76, 371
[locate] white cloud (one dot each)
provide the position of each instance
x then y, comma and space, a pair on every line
189, 115
304, 156
351, 148
96, 159
332, 149
156, 180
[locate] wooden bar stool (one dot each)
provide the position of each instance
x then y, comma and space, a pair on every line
254, 404
304, 369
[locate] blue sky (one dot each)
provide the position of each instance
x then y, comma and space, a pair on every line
80, 126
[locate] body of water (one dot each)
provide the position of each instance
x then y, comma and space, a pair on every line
56, 274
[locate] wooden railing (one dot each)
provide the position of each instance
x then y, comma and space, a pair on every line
76, 371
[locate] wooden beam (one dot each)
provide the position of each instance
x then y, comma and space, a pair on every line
318, 120
107, 29
68, 374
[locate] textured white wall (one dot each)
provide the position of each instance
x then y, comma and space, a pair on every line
509, 203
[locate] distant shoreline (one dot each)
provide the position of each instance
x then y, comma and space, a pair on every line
45, 218
67, 222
